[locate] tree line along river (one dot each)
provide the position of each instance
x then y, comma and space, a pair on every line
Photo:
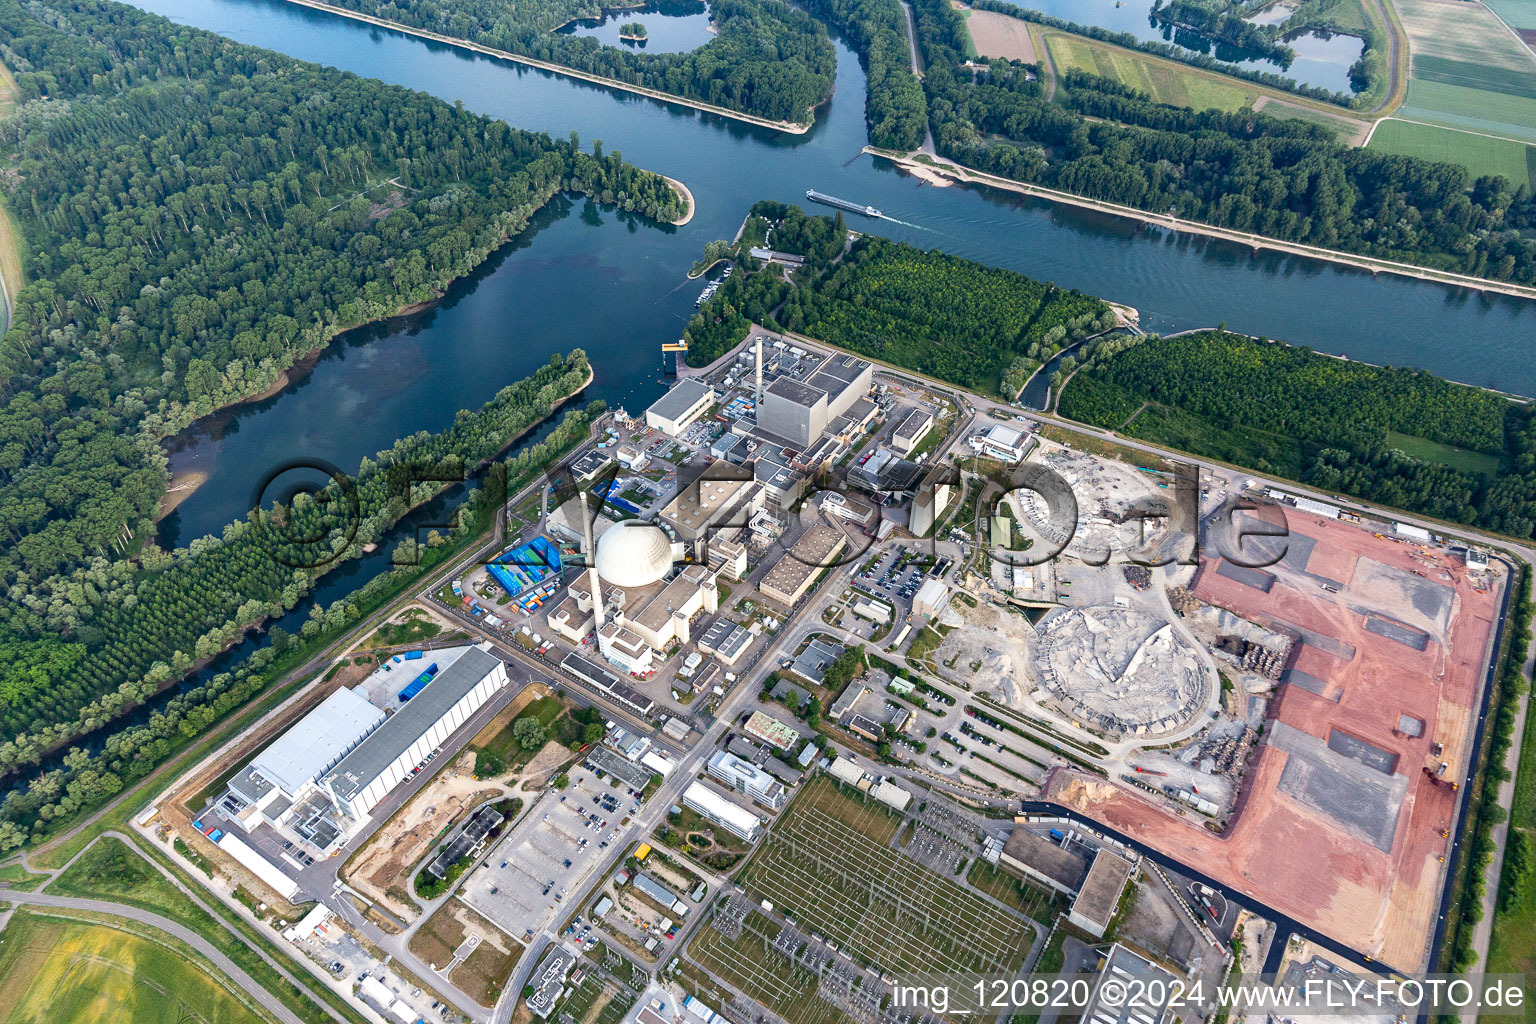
584, 275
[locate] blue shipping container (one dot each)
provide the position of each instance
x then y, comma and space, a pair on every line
216, 834
416, 684
412, 655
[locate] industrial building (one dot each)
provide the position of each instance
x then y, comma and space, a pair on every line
746, 777
1038, 858
999, 442
910, 432
317, 783
718, 810
641, 611
726, 640
548, 979
801, 410
718, 501
930, 598
1099, 896
1131, 972
763, 726
886, 471
680, 406
930, 500
385, 759
791, 576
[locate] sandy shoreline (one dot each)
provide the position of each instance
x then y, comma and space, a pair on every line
1375, 265
687, 195
181, 487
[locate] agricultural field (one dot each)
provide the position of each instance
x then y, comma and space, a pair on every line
1165, 81
999, 35
1468, 72
830, 866
1519, 15
1479, 154
58, 971
1171, 82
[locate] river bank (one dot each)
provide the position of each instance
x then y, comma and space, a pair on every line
923, 166
789, 127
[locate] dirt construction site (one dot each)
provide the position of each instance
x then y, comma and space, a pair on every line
1341, 818
381, 869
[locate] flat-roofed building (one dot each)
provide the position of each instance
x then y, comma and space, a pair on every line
1036, 857
801, 410
746, 777
680, 406
782, 486
930, 500
791, 576
846, 506
1100, 895
277, 777
570, 621
726, 640
763, 726
1131, 972
712, 503
930, 598
715, 808
626, 648
548, 979
1007, 444
631, 457
886, 471
385, 759
911, 431
588, 464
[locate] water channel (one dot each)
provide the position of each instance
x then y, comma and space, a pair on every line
615, 285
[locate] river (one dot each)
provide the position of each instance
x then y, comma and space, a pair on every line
586, 276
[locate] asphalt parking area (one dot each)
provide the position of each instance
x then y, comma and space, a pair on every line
528, 879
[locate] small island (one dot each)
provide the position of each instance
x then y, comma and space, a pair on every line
632, 32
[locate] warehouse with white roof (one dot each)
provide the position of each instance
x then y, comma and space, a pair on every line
386, 757
318, 781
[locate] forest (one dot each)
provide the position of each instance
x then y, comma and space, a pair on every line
198, 222
769, 59
199, 215
1283, 178
1247, 171
981, 327
146, 625
1391, 436
1367, 75
41, 802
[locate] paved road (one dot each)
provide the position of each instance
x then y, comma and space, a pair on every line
248, 984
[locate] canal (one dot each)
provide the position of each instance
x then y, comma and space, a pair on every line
614, 285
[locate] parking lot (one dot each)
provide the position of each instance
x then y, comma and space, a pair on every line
529, 877
897, 585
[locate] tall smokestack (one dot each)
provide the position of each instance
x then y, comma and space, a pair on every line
591, 553
759, 371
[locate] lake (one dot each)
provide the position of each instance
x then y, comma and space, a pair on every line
673, 27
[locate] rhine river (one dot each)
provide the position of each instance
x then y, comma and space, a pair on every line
615, 285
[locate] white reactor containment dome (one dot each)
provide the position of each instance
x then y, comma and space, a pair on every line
633, 554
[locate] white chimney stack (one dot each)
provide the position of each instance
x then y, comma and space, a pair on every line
591, 553
759, 371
